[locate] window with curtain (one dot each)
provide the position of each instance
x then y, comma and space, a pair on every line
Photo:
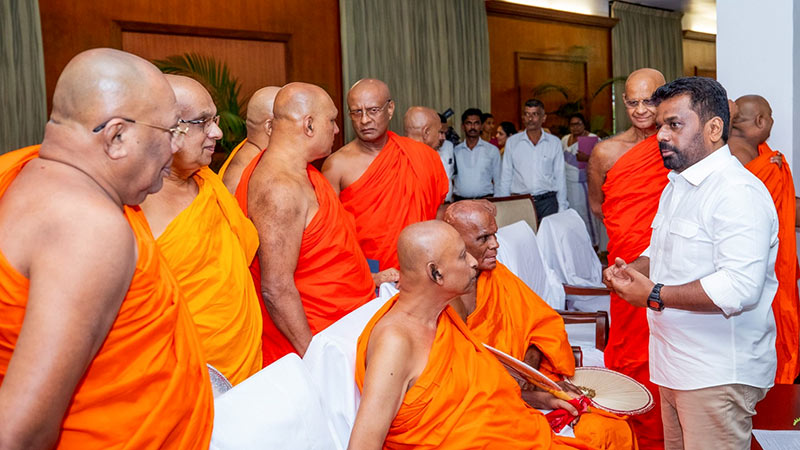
431, 53
23, 102
644, 37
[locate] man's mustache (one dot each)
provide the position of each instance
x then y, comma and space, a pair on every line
666, 146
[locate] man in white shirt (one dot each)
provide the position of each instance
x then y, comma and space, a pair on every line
711, 269
477, 162
445, 151
533, 163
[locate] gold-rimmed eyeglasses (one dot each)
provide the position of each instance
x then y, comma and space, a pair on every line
633, 104
370, 112
177, 132
204, 123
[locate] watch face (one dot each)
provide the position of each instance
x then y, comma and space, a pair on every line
654, 305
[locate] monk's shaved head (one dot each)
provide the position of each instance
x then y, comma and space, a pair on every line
650, 77
259, 108
296, 100
475, 222
423, 242
371, 108
371, 86
433, 251
101, 83
188, 94
752, 120
305, 118
422, 124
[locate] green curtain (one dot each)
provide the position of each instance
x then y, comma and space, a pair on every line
23, 102
644, 37
431, 53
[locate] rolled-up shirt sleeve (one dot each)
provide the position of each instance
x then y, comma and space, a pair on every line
742, 233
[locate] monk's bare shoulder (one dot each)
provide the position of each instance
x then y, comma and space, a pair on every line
606, 153
236, 167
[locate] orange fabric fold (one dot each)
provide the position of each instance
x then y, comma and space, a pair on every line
778, 180
632, 191
147, 387
230, 158
209, 246
405, 184
510, 317
332, 275
463, 399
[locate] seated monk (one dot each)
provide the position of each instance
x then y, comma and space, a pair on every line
208, 242
502, 311
384, 180
751, 124
426, 381
309, 268
259, 127
97, 348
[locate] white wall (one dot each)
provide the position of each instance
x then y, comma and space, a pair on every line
756, 42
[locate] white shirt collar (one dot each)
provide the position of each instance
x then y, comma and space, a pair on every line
699, 171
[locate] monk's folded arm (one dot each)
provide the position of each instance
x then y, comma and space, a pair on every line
386, 380
78, 278
280, 223
533, 356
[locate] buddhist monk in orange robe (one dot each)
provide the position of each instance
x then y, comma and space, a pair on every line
505, 313
384, 180
309, 268
626, 176
208, 242
97, 348
259, 127
426, 381
752, 124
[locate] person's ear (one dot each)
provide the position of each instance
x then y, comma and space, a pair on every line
308, 126
714, 129
268, 127
434, 274
113, 135
391, 109
760, 121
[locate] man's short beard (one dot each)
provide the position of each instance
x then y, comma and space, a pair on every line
681, 160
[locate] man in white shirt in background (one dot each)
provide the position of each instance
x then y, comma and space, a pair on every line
533, 163
445, 151
711, 269
477, 162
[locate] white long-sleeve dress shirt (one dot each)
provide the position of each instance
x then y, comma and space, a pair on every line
716, 223
478, 169
534, 169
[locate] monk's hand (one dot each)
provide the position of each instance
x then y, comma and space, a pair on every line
386, 276
777, 159
545, 400
628, 283
570, 388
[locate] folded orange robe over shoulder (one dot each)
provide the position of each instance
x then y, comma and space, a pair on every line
405, 184
778, 180
147, 386
463, 399
209, 247
510, 317
230, 158
332, 275
632, 191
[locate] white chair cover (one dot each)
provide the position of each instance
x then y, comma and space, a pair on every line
520, 253
567, 248
278, 407
331, 361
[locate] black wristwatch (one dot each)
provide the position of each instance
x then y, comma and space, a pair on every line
654, 299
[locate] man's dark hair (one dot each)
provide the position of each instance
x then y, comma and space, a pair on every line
708, 98
534, 103
580, 117
485, 117
508, 128
472, 112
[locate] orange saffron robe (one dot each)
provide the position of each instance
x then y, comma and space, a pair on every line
778, 180
405, 184
511, 317
209, 246
147, 387
227, 162
632, 191
332, 275
464, 399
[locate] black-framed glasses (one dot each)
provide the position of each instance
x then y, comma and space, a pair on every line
177, 132
204, 123
370, 112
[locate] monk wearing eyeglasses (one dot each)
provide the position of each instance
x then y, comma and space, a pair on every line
208, 242
384, 180
97, 347
626, 176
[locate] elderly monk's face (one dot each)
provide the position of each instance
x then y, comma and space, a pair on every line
457, 267
641, 109
370, 111
480, 238
680, 133
204, 132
